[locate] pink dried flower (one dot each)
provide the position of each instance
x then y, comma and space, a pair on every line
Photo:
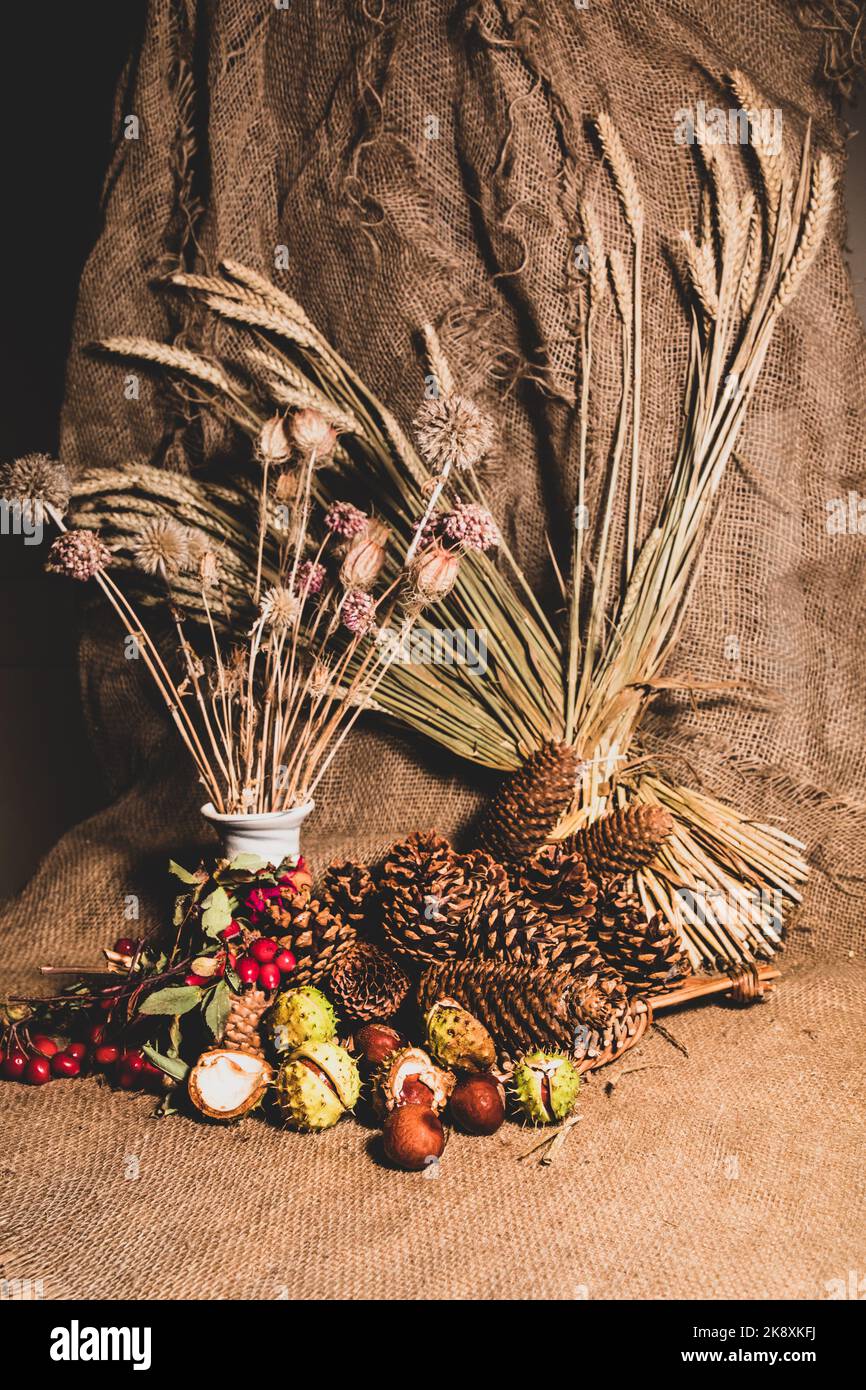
358, 611
345, 519
471, 526
78, 555
310, 577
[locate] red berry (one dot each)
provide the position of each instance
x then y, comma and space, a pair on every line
78, 1050
96, 1034
133, 1059
37, 1071
105, 1055
125, 946
64, 1065
248, 970
264, 950
195, 980
285, 962
13, 1064
45, 1046
269, 976
232, 930
127, 1080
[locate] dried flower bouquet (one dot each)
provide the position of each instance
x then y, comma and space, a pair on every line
591, 689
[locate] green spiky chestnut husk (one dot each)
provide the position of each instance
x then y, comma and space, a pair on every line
545, 1087
457, 1039
300, 1016
317, 1085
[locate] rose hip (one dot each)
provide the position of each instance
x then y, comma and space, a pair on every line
13, 1064
264, 950
125, 946
285, 962
64, 1065
105, 1055
269, 977
37, 1071
78, 1050
248, 970
45, 1046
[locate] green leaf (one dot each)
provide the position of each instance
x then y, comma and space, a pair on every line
183, 874
175, 999
172, 1066
233, 979
181, 908
218, 1008
217, 913
247, 863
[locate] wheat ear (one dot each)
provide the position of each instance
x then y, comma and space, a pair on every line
814, 226
189, 362
623, 172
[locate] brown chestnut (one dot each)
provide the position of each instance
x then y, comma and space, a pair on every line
375, 1042
413, 1137
478, 1105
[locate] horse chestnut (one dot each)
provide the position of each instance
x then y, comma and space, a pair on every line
478, 1105
413, 1137
375, 1042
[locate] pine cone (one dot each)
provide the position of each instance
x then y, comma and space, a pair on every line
349, 891
558, 882
315, 935
367, 985
509, 929
647, 954
525, 1007
521, 1006
522, 814
428, 894
623, 840
242, 1026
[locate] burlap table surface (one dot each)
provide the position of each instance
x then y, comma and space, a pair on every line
733, 1171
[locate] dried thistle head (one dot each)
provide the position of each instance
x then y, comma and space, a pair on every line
36, 478
78, 555
452, 433
471, 526
286, 485
279, 608
365, 557
162, 547
313, 433
273, 443
433, 572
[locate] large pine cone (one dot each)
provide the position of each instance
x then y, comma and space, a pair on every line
647, 954
429, 895
349, 891
623, 840
367, 985
520, 817
510, 928
242, 1026
525, 1007
315, 935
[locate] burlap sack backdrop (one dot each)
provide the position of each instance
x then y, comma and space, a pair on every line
405, 162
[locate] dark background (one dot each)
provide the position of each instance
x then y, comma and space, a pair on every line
57, 84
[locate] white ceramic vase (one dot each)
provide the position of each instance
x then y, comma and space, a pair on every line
273, 835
